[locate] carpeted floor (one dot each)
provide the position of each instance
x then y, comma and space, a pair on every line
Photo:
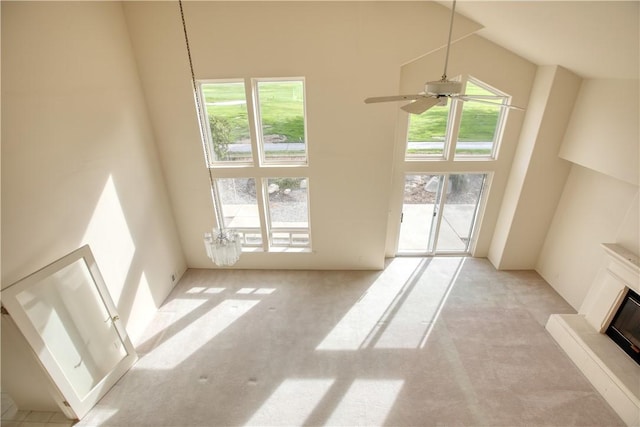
426, 342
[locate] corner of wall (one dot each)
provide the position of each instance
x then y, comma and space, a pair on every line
537, 175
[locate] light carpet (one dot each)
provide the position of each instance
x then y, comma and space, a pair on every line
440, 341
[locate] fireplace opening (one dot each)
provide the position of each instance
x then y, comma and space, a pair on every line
625, 327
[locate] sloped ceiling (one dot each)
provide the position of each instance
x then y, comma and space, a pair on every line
594, 39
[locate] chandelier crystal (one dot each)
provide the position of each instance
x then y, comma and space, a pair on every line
223, 246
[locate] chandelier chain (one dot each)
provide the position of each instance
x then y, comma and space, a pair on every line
222, 246
199, 114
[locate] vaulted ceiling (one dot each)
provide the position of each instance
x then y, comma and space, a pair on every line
594, 39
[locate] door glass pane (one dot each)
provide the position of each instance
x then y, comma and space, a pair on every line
282, 121
80, 336
459, 212
418, 212
226, 108
478, 124
240, 208
427, 133
288, 211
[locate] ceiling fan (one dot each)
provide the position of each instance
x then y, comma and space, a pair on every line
439, 92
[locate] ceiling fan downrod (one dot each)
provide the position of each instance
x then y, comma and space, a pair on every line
446, 59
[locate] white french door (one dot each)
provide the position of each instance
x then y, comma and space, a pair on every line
439, 213
66, 315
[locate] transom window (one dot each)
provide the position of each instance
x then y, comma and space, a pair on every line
461, 130
256, 147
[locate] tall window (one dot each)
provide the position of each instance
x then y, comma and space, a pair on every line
463, 130
259, 125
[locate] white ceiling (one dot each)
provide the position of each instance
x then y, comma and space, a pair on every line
594, 39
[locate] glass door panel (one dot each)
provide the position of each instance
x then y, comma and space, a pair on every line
459, 212
80, 337
439, 213
66, 315
419, 213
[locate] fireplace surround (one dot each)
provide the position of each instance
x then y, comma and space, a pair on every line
624, 329
613, 372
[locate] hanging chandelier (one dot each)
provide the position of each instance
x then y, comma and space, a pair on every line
223, 246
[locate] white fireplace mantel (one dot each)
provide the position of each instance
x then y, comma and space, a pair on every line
611, 371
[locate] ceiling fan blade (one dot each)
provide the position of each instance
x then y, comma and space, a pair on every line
421, 105
484, 96
471, 98
392, 98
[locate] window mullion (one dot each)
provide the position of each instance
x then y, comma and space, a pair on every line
454, 119
497, 138
263, 211
452, 129
253, 114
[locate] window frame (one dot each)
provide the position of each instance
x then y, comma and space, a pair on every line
449, 127
258, 168
257, 118
271, 229
498, 131
452, 130
203, 117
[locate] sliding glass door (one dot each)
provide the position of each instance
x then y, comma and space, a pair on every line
439, 213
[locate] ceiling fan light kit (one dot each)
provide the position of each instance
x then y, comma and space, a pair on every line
438, 92
443, 87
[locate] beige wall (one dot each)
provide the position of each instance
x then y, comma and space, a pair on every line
594, 209
79, 163
347, 51
537, 174
604, 130
599, 203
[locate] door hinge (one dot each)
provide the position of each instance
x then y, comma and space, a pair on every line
401, 217
65, 403
4, 310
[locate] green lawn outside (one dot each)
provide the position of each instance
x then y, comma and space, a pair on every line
282, 109
478, 121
